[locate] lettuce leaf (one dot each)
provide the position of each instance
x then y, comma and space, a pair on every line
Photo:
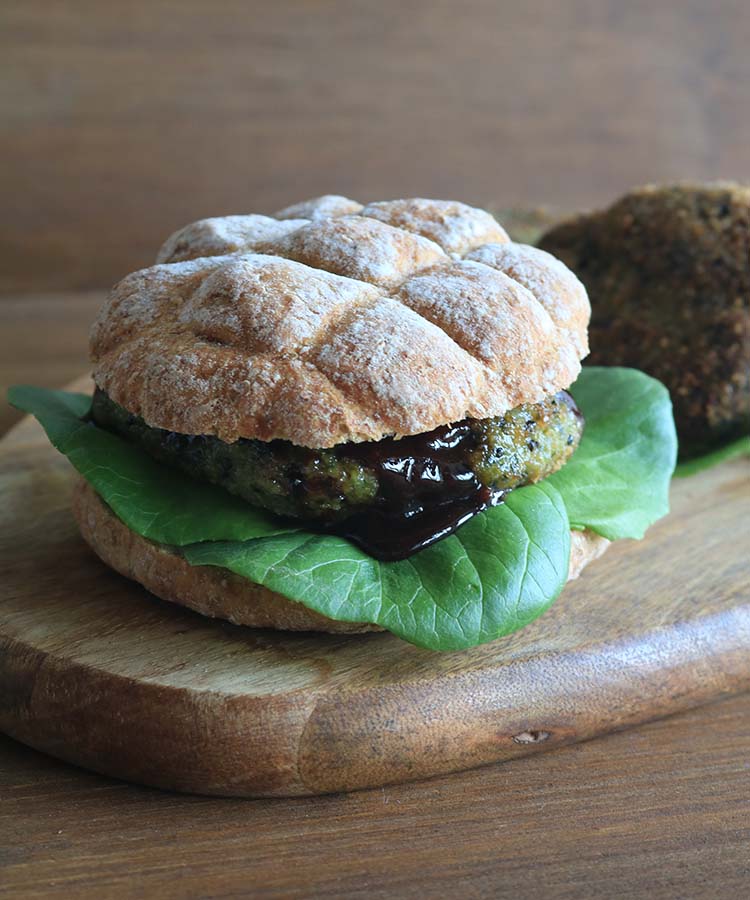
156, 502
617, 481
500, 571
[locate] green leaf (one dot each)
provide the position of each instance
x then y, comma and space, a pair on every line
740, 447
617, 481
498, 573
154, 501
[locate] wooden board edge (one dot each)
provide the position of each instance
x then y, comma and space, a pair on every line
300, 744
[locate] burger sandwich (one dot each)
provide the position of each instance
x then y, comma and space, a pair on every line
346, 418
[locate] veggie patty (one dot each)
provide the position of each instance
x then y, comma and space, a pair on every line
375, 492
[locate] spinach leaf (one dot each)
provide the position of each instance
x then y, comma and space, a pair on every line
499, 572
617, 481
156, 502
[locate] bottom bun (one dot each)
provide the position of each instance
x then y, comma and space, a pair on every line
219, 593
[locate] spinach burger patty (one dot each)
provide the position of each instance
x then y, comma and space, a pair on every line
369, 490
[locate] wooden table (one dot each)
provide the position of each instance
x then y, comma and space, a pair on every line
118, 129
658, 811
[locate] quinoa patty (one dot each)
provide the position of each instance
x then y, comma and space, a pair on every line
325, 486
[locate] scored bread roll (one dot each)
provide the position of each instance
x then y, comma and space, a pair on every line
343, 323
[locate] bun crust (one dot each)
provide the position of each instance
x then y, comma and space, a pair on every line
332, 322
219, 593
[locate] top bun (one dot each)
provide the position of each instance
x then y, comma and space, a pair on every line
333, 322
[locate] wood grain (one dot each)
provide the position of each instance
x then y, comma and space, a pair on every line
116, 129
96, 671
658, 812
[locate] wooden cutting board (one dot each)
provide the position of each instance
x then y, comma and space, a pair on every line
96, 671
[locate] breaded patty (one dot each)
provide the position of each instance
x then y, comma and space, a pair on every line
668, 273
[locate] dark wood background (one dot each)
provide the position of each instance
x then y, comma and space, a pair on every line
122, 121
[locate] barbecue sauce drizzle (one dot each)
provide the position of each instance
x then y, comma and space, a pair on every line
427, 492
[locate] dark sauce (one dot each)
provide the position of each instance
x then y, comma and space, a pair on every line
427, 492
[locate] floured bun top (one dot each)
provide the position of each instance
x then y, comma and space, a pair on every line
333, 322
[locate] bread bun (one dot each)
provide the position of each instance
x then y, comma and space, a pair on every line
332, 322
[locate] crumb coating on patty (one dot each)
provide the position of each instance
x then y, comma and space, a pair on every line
668, 273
